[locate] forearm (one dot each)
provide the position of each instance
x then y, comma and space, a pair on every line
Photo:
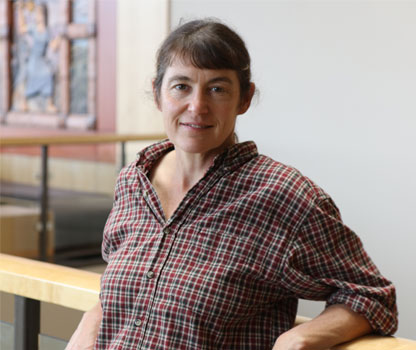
337, 324
86, 333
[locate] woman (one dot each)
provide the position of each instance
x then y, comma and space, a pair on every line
209, 244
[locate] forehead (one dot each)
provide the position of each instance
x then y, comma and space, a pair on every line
184, 70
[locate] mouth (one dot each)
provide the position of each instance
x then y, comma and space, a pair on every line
196, 125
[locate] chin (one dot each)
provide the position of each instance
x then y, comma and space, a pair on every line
196, 147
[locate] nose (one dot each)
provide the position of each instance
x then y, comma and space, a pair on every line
198, 103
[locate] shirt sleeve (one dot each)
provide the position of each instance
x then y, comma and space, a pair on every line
328, 262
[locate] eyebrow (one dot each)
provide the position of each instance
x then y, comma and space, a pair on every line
186, 78
221, 79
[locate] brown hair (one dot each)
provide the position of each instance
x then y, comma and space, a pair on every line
206, 44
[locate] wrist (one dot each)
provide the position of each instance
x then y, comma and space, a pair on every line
291, 340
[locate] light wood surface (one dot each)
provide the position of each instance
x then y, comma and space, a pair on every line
373, 342
370, 342
55, 284
76, 139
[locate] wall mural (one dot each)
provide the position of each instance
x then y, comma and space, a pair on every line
34, 59
50, 48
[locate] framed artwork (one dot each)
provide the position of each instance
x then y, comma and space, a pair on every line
48, 63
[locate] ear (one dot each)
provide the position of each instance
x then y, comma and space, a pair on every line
155, 96
246, 100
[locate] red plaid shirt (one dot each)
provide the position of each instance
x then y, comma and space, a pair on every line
227, 269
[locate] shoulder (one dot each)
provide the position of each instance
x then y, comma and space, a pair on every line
145, 160
280, 178
128, 180
275, 190
254, 172
287, 192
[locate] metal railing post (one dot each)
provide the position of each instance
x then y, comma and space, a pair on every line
43, 234
26, 323
123, 154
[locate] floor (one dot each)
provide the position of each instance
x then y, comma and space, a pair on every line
45, 342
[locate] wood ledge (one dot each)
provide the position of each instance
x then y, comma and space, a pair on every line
370, 342
76, 139
47, 282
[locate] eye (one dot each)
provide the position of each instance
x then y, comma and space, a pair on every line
218, 89
180, 87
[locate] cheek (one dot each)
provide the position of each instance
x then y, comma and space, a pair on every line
169, 105
230, 114
170, 113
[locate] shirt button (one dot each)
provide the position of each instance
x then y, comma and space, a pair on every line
166, 230
150, 274
138, 323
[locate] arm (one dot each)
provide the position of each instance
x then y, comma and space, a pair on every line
327, 261
86, 333
337, 324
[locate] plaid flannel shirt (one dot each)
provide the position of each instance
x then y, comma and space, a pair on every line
226, 270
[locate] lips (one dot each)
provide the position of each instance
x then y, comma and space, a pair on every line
196, 125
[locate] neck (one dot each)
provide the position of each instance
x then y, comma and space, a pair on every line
191, 167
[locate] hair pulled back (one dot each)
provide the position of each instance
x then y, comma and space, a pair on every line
206, 44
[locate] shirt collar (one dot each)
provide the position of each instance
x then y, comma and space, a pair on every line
232, 158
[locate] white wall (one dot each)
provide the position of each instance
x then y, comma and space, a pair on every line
141, 26
337, 83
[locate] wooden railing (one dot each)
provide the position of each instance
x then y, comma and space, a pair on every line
65, 286
75, 139
39, 281
45, 142
34, 281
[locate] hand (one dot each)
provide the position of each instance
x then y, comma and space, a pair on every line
86, 333
336, 324
290, 341
81, 341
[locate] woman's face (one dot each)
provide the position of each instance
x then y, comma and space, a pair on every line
200, 107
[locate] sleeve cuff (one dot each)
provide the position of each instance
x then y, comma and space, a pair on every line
382, 319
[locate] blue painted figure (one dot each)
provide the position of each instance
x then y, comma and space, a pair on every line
34, 75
